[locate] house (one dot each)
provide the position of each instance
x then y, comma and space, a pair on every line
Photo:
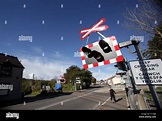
118, 79
11, 72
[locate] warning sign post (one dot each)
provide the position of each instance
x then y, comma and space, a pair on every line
147, 71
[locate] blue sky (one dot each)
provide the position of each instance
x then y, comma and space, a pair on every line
52, 28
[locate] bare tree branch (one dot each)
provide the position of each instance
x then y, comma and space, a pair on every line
146, 17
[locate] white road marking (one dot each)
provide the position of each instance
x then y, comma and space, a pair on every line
54, 104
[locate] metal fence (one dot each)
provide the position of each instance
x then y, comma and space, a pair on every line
133, 103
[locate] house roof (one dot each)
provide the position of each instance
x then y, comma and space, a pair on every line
11, 59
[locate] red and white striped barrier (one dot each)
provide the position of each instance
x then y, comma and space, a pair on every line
118, 55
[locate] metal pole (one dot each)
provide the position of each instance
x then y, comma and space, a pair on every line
131, 79
135, 43
75, 87
132, 90
101, 35
151, 87
87, 40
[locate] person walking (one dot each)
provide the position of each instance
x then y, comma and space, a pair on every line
112, 95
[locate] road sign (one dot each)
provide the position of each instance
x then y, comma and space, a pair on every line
95, 28
147, 71
125, 44
62, 80
100, 53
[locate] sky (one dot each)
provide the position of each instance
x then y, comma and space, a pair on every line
45, 34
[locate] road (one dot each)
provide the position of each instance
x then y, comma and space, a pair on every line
96, 98
87, 99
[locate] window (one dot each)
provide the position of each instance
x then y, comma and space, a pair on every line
4, 92
6, 70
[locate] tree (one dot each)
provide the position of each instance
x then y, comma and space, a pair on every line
93, 80
71, 73
145, 17
26, 86
154, 49
86, 77
74, 72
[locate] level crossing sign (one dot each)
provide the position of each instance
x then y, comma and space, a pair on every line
100, 53
95, 28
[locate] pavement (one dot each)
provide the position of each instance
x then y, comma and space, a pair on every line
136, 102
120, 104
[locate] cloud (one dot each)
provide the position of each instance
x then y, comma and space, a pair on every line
57, 54
42, 68
37, 49
54, 65
101, 75
103, 72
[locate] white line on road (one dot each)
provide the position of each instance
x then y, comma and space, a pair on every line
105, 101
100, 104
54, 104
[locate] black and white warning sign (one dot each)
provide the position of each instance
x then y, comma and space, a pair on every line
147, 71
